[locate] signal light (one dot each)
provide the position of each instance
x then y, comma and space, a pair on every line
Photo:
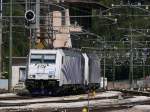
30, 15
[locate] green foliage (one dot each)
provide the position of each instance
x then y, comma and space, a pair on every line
125, 19
20, 40
19, 37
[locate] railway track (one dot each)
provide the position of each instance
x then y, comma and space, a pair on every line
65, 99
135, 92
102, 101
104, 108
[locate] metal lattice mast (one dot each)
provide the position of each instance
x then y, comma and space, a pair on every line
1, 23
10, 50
37, 18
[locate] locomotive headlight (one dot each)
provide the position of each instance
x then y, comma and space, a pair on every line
50, 76
31, 76
51, 73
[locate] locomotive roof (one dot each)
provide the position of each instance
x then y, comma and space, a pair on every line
67, 52
72, 53
42, 51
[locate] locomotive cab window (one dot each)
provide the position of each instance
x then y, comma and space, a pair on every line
50, 58
36, 58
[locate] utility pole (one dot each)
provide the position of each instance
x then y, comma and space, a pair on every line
37, 19
144, 72
114, 72
10, 50
104, 65
144, 62
131, 60
1, 23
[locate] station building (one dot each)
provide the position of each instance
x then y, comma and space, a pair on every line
18, 70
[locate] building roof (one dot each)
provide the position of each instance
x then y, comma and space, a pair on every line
19, 61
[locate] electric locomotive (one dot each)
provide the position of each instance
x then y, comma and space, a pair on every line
58, 70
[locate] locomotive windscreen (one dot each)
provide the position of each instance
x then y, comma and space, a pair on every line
49, 58
43, 58
36, 58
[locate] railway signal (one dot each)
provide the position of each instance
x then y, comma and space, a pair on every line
29, 18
